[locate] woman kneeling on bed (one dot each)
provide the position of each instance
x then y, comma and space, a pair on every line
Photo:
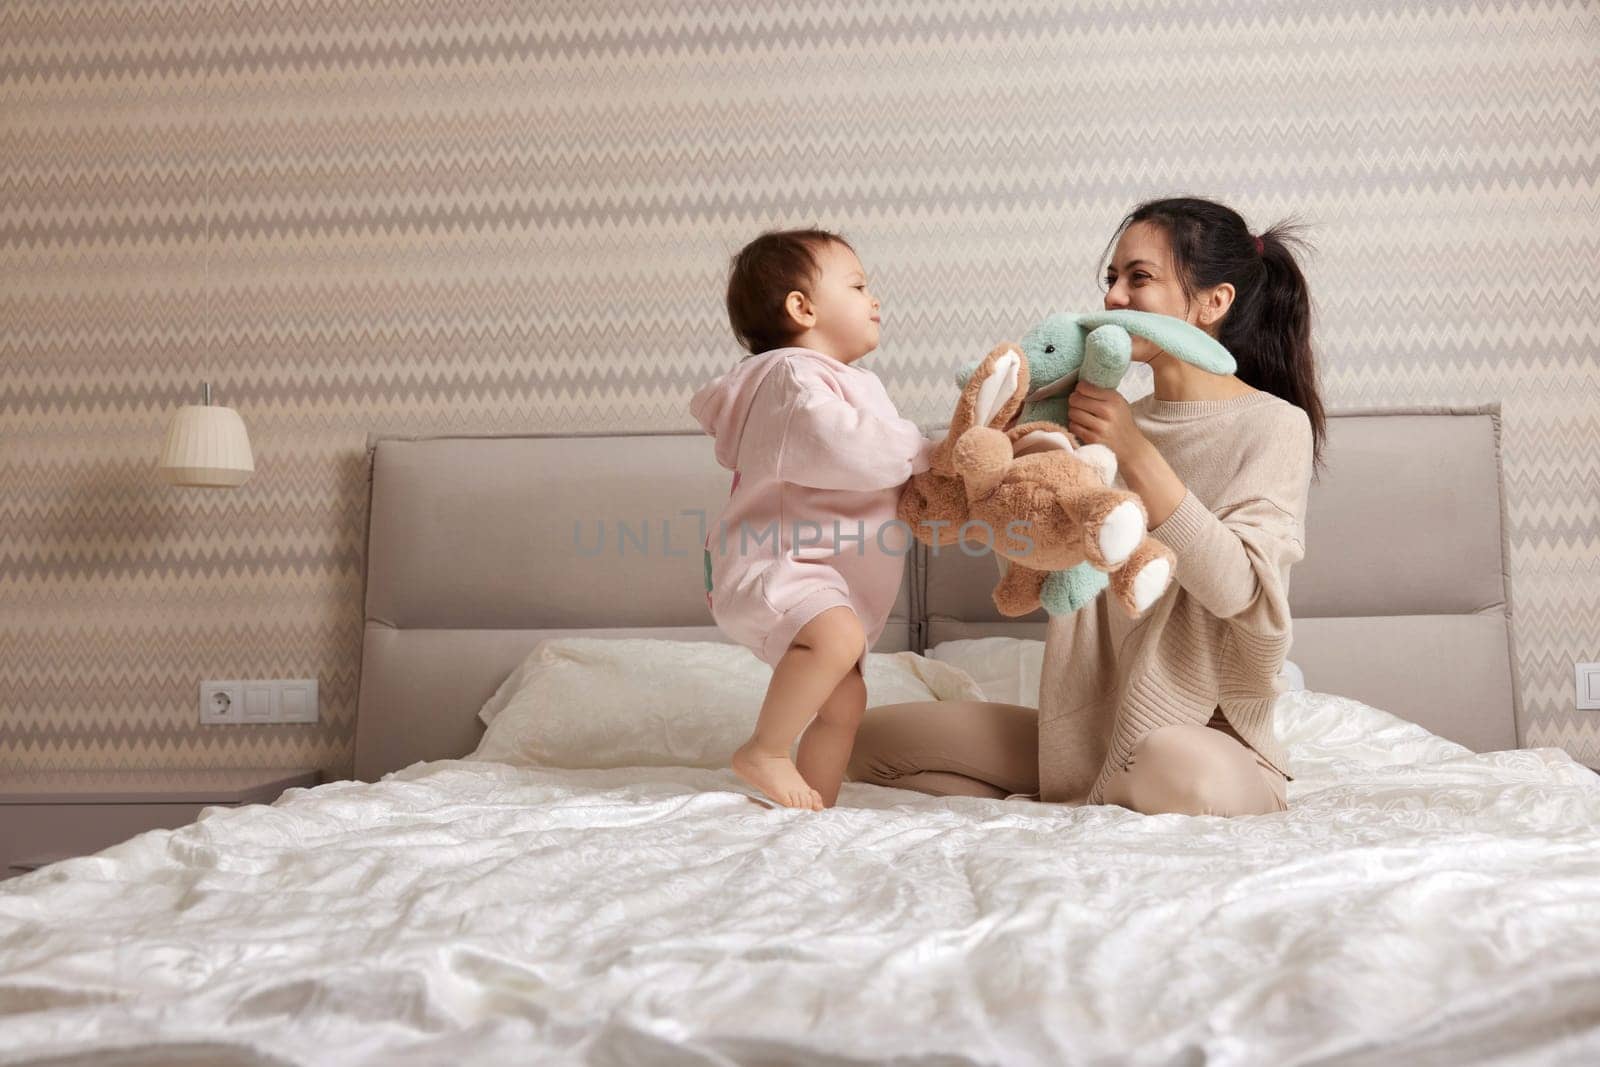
806, 559
1172, 713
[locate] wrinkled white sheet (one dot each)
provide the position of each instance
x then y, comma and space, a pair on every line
1417, 903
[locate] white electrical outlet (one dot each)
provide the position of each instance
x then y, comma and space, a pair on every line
263, 701
221, 702
1588, 685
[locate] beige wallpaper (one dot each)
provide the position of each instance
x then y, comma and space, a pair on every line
412, 216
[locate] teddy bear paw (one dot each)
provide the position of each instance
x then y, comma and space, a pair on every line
1150, 583
1102, 459
1121, 531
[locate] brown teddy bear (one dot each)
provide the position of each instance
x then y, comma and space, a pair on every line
1040, 500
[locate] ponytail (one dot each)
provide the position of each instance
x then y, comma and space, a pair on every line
1268, 326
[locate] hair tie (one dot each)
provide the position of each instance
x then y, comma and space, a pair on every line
1260, 245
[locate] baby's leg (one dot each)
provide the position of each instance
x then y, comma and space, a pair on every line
825, 746
822, 652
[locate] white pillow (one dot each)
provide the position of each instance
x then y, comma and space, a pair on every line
1291, 679
1007, 668
1325, 733
587, 702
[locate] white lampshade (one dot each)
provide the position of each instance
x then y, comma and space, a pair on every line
207, 446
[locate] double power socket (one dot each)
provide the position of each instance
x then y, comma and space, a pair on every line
271, 700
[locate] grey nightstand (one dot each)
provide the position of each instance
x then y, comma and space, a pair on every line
53, 816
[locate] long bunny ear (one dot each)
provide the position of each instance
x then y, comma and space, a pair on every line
992, 390
1173, 336
999, 387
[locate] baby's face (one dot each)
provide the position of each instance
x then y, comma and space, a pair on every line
847, 319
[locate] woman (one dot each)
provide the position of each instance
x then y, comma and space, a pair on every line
1172, 712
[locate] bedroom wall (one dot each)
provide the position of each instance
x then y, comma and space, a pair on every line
413, 217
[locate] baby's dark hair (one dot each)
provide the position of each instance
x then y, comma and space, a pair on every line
762, 275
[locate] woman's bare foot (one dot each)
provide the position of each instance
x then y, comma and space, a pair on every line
776, 776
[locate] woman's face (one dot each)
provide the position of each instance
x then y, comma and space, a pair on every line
1140, 277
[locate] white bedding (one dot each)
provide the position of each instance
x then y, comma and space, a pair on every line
1417, 903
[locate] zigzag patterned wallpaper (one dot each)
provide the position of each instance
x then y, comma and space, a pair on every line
412, 216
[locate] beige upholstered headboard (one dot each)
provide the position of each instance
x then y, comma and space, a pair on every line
479, 546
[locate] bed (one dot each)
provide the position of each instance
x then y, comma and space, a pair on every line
1433, 893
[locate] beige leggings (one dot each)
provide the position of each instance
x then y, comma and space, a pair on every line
983, 749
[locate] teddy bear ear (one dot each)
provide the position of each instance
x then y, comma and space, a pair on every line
997, 390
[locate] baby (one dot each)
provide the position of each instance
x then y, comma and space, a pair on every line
806, 559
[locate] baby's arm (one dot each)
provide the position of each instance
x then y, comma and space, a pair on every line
831, 445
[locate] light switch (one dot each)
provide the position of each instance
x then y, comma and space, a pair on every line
297, 701
1588, 686
258, 702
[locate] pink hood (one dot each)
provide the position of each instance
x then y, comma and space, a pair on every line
722, 405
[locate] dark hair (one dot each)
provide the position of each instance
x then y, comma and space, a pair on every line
762, 275
1268, 326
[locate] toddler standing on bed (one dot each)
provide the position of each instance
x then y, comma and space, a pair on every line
806, 559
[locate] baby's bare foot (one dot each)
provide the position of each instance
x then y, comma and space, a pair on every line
776, 776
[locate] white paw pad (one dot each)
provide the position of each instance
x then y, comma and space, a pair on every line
1150, 583
1121, 532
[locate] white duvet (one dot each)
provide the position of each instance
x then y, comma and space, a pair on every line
1418, 904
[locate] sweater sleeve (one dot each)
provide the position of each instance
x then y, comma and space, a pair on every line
828, 443
1235, 562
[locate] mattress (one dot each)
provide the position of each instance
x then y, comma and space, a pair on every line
1418, 902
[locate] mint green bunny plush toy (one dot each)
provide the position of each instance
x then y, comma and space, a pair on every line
1097, 348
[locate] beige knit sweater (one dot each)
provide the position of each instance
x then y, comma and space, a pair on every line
1219, 636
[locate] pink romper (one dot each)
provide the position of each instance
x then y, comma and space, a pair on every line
819, 455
